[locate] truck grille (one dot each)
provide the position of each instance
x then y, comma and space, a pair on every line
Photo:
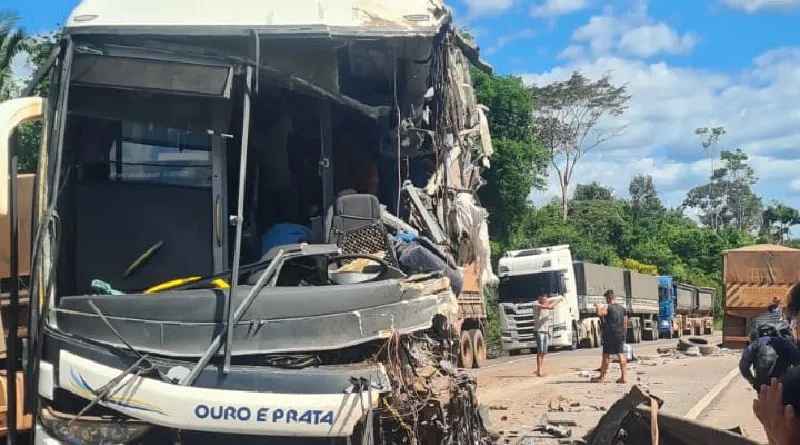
521, 320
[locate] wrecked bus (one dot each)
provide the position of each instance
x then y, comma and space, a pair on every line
256, 221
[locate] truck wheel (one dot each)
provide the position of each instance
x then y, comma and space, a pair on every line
515, 352
478, 348
576, 334
465, 357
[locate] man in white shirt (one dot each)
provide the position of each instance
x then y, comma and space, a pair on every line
541, 326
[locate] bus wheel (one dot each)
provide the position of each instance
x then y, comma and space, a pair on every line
465, 357
478, 348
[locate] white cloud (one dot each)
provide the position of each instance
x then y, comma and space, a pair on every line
757, 106
752, 6
555, 8
633, 33
478, 8
508, 38
649, 40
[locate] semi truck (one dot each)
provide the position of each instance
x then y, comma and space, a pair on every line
162, 312
528, 273
754, 277
684, 309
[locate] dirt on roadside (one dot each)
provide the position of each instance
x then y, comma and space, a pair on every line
517, 401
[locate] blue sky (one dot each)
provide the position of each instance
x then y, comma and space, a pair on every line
687, 63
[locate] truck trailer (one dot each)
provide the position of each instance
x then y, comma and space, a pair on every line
753, 277
254, 221
684, 309
591, 282
11, 355
641, 299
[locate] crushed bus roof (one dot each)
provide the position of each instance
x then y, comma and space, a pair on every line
357, 17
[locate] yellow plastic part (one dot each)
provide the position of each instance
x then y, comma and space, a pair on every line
219, 283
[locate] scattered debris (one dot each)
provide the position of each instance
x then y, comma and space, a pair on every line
707, 349
555, 431
558, 403
692, 352
562, 422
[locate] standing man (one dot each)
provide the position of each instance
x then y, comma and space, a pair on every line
615, 326
541, 327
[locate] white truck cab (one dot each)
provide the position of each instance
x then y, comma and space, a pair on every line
524, 276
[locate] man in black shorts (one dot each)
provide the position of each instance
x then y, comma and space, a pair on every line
615, 326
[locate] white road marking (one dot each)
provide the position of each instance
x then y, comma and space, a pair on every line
698, 408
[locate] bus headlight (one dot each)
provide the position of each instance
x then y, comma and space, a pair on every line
91, 430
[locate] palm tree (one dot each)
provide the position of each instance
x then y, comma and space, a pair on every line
11, 39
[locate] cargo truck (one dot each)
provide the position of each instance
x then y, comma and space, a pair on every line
752, 277
526, 274
684, 309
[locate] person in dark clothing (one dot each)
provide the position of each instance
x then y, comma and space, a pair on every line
615, 326
771, 355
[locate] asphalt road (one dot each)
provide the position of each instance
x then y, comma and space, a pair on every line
593, 352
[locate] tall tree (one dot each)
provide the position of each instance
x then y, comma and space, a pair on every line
644, 201
11, 38
728, 199
565, 121
709, 138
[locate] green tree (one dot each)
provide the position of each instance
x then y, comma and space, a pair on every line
565, 122
29, 135
709, 138
11, 38
518, 164
644, 201
778, 218
728, 198
39, 48
586, 192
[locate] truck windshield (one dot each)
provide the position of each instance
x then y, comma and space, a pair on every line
528, 287
663, 293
